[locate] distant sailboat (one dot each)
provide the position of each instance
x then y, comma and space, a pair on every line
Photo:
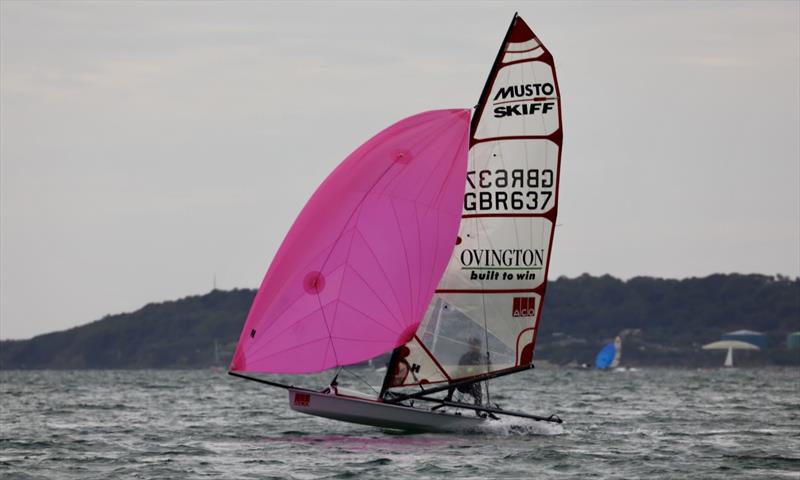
396, 252
610, 355
728, 358
730, 346
617, 353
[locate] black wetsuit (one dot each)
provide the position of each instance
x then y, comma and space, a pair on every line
470, 358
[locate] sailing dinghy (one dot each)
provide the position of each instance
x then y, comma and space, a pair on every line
430, 241
610, 355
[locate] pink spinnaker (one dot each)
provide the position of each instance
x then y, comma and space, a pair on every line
357, 270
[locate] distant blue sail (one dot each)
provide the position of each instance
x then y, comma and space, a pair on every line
606, 356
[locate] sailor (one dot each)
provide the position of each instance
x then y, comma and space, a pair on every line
401, 368
469, 363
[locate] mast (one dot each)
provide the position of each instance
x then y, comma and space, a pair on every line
487, 86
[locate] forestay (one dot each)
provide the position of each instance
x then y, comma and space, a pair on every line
484, 316
357, 270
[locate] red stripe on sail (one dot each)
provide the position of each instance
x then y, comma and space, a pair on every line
524, 51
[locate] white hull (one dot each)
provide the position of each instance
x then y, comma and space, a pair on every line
379, 414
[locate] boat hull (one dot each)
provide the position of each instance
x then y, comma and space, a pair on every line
379, 414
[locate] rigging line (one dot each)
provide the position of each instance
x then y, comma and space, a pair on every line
432, 357
363, 381
333, 382
485, 326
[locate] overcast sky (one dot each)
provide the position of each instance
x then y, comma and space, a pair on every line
146, 147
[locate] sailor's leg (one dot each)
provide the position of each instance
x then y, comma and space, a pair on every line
477, 393
477, 396
449, 396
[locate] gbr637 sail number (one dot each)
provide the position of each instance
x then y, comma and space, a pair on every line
504, 190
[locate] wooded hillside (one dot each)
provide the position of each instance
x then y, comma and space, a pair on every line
662, 322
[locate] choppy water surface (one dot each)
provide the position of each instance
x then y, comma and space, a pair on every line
194, 424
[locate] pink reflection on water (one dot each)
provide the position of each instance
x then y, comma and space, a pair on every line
362, 443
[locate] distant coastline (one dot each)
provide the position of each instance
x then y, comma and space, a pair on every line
663, 322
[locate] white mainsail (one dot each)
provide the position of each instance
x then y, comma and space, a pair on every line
729, 358
485, 313
617, 352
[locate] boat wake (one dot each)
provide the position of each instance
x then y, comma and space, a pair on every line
518, 427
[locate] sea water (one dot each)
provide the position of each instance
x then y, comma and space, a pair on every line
650, 423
